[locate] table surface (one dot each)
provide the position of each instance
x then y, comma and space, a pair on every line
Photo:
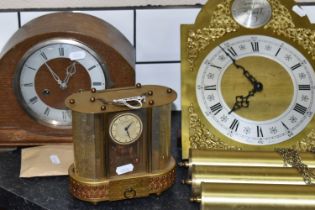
52, 192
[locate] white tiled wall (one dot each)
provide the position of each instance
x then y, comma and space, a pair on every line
154, 31
8, 24
167, 74
158, 33
123, 20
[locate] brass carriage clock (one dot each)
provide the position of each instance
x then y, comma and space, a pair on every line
121, 142
248, 79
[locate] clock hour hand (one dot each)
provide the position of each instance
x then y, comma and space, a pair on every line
127, 129
258, 86
70, 71
242, 101
54, 75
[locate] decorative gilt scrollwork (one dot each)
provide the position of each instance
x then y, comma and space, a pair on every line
201, 138
221, 23
282, 24
306, 144
281, 17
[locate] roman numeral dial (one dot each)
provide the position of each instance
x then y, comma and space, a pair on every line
53, 70
277, 113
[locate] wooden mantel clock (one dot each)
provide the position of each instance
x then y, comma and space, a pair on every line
248, 79
122, 143
50, 58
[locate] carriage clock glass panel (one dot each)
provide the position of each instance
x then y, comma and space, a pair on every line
52, 70
127, 146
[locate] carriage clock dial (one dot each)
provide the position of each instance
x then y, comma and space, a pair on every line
126, 128
51, 71
273, 97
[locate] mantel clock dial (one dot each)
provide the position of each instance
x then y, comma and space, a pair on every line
52, 70
252, 85
50, 58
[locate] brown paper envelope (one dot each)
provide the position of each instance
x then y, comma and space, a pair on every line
48, 160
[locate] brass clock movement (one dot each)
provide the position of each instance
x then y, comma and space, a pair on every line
50, 58
122, 142
248, 80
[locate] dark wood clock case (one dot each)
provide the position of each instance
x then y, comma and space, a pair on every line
17, 128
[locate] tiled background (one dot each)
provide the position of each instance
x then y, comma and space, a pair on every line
154, 32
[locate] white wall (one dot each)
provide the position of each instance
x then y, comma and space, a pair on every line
154, 32
21, 4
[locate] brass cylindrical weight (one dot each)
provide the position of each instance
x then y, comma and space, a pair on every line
246, 175
242, 158
220, 196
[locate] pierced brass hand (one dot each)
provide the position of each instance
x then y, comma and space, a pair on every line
246, 73
242, 101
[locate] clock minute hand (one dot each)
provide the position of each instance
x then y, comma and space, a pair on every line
258, 86
128, 126
54, 75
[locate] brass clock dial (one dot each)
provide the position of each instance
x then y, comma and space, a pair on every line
125, 128
52, 70
279, 111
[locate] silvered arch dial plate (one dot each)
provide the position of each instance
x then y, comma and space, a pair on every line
251, 13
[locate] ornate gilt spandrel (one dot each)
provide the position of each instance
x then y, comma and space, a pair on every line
219, 24
201, 137
282, 24
306, 144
